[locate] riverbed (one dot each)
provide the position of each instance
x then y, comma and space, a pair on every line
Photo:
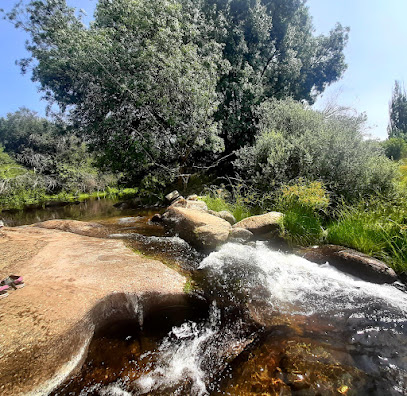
258, 321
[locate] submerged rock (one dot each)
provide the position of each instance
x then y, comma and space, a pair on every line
73, 285
261, 224
202, 230
352, 262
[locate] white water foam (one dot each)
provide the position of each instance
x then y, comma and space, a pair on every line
297, 285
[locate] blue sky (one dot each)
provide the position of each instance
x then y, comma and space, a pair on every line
376, 56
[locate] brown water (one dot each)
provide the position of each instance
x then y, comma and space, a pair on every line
272, 324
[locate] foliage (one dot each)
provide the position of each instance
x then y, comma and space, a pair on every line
377, 228
50, 151
395, 148
309, 195
301, 226
398, 112
151, 84
134, 82
8, 167
272, 52
302, 203
295, 141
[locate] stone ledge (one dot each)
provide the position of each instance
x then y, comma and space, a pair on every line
73, 284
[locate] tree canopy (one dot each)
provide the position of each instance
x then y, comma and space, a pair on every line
154, 85
272, 53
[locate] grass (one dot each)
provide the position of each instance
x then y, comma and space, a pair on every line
302, 227
378, 229
238, 200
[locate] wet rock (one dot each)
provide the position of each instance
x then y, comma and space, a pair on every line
240, 235
352, 262
225, 215
157, 218
200, 229
73, 284
172, 196
75, 227
56, 204
261, 224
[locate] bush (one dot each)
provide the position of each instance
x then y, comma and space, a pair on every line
395, 148
295, 141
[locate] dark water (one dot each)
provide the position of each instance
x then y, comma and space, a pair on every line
264, 323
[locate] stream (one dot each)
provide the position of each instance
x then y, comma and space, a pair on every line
260, 322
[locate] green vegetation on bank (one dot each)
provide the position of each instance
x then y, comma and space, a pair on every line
21, 199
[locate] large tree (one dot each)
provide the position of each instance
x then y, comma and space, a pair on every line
155, 85
273, 53
134, 81
398, 112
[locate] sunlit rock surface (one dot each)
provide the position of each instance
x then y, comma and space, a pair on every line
352, 262
73, 284
200, 229
261, 224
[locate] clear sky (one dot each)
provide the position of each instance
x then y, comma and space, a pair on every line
376, 56
376, 53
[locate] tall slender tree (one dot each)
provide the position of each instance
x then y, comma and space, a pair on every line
398, 112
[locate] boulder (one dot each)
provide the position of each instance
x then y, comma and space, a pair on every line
185, 203
225, 215
261, 224
73, 285
352, 262
192, 197
200, 229
240, 235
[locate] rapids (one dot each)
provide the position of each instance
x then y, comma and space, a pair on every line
277, 324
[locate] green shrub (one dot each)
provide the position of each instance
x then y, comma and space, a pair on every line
309, 195
295, 141
395, 148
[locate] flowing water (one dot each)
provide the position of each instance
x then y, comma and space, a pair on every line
265, 323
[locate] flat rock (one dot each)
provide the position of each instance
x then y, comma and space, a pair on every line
74, 226
261, 224
351, 261
200, 229
73, 285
